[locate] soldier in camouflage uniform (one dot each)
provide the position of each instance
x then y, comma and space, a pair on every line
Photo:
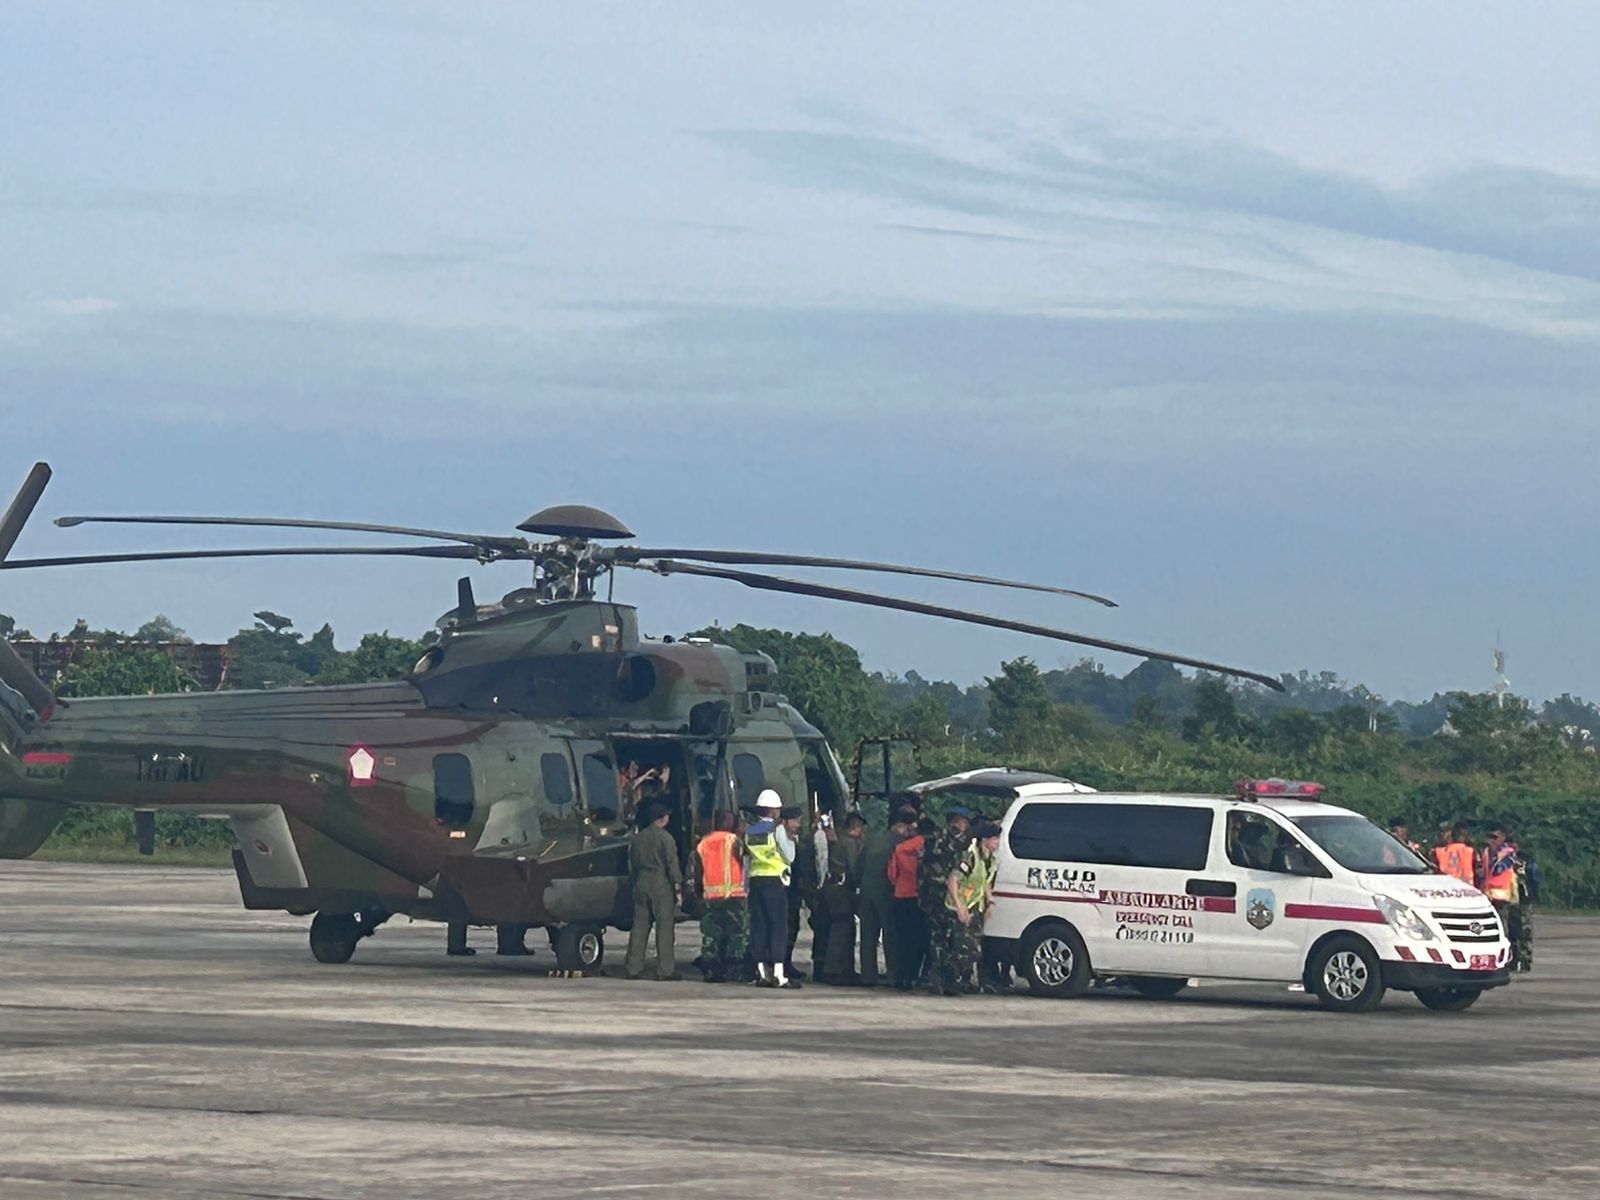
940, 856
720, 883
1527, 892
967, 896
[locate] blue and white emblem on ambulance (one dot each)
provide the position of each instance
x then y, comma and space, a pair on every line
1260, 907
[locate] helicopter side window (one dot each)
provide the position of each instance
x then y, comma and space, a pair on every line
557, 779
600, 787
452, 790
748, 779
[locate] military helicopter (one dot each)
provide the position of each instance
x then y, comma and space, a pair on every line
491, 786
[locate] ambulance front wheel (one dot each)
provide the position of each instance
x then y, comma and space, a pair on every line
1054, 961
1345, 975
1447, 999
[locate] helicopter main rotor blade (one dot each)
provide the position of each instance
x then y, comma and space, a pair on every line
775, 583
14, 672
85, 560
760, 558
471, 539
22, 507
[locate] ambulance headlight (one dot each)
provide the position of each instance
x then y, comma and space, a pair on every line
1403, 920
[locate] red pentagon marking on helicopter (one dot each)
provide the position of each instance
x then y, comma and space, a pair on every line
362, 766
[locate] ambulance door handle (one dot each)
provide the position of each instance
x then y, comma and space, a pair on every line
1212, 887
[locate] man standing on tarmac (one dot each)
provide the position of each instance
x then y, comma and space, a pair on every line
657, 880
1502, 882
940, 856
968, 891
725, 924
841, 892
910, 921
876, 901
769, 852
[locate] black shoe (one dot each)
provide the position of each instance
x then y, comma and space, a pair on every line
461, 952
788, 985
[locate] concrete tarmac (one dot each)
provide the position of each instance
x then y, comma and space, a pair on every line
158, 1041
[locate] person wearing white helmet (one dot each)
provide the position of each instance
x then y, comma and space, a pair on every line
769, 851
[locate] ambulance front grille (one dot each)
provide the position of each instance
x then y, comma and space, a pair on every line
1469, 926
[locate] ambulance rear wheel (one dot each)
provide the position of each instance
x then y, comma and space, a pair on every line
1159, 989
580, 948
1448, 999
334, 936
1053, 960
1346, 977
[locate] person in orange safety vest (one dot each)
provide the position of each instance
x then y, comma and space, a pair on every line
725, 925
1456, 857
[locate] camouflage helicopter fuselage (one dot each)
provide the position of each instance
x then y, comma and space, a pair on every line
482, 789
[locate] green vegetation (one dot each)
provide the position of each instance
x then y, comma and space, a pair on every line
1457, 756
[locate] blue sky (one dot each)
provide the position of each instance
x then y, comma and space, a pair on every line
1279, 324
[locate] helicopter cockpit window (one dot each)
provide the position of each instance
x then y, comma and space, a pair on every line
748, 779
452, 790
557, 779
600, 786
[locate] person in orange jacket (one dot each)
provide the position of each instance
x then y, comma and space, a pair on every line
1456, 857
910, 923
720, 880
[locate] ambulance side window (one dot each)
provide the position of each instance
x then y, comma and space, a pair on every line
1170, 837
1259, 844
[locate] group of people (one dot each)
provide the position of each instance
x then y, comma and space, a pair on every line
917, 891
1498, 868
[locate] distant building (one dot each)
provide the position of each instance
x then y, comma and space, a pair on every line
206, 664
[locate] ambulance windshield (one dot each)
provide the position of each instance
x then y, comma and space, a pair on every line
1358, 845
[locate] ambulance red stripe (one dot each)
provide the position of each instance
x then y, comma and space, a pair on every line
1334, 912
41, 758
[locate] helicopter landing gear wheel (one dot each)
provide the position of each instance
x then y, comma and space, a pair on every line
580, 949
334, 936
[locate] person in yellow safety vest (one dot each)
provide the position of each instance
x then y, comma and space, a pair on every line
725, 924
969, 889
1456, 857
769, 858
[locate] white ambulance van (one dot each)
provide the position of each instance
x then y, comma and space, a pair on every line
1270, 886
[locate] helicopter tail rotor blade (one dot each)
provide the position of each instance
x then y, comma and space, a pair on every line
15, 674
487, 541
84, 560
761, 558
775, 583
